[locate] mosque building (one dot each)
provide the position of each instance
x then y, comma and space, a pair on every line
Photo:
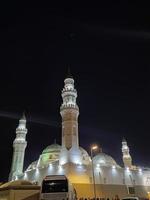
70, 159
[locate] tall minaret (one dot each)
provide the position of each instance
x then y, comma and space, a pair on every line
19, 146
69, 112
127, 160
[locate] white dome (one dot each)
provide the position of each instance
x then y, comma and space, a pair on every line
103, 159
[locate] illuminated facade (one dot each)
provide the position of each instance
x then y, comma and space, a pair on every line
74, 161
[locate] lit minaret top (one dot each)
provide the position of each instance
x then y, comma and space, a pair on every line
19, 146
127, 160
69, 112
21, 129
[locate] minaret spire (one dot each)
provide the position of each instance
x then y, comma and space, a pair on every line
23, 116
127, 160
19, 146
69, 112
69, 75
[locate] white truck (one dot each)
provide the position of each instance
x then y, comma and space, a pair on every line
57, 187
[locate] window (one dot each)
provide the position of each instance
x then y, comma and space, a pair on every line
54, 186
131, 190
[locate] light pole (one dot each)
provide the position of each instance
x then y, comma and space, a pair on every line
94, 147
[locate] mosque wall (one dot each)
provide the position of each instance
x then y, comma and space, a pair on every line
79, 173
19, 193
108, 191
24, 194
110, 175
5, 194
109, 181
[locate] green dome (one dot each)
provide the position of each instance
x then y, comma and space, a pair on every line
53, 148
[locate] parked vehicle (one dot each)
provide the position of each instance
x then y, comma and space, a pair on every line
57, 187
133, 198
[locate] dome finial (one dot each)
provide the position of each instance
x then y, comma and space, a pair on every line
124, 140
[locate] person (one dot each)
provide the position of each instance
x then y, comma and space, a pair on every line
116, 197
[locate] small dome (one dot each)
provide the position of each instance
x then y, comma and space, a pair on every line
103, 159
83, 151
53, 148
32, 165
85, 156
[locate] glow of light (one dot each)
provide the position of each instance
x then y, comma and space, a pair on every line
79, 165
102, 161
60, 169
16, 178
140, 170
127, 169
62, 160
20, 139
37, 172
114, 171
113, 167
94, 147
76, 160
50, 165
25, 175
21, 126
98, 165
50, 168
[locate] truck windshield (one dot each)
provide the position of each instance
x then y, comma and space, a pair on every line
53, 186
130, 198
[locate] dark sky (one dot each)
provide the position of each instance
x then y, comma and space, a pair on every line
108, 49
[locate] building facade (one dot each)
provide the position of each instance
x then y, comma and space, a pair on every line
70, 159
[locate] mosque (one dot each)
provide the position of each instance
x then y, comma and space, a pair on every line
83, 170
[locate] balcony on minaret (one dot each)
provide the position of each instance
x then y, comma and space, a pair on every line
69, 91
69, 106
69, 95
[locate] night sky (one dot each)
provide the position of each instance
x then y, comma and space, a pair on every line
108, 50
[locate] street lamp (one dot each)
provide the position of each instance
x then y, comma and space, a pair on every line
93, 148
